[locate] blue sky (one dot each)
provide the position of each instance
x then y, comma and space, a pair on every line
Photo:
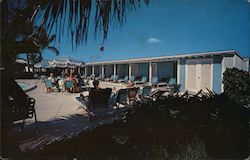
168, 27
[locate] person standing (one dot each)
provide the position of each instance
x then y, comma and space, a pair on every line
63, 74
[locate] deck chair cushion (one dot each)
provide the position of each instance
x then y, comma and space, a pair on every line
99, 98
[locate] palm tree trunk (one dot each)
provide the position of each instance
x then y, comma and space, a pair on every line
40, 56
28, 62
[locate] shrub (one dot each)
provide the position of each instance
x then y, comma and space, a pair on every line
236, 82
172, 127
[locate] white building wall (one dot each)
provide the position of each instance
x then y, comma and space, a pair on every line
228, 62
245, 64
238, 62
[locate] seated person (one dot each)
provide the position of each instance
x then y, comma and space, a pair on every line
72, 78
96, 86
80, 80
53, 80
130, 84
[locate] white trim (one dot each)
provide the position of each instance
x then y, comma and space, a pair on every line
212, 74
129, 71
186, 75
169, 58
114, 70
198, 78
103, 70
93, 70
150, 72
234, 59
178, 71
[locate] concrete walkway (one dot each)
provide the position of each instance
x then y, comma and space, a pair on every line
59, 116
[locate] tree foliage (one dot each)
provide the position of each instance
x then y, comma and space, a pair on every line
171, 127
236, 82
72, 16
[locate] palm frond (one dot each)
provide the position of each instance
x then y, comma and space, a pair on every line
69, 16
53, 49
75, 16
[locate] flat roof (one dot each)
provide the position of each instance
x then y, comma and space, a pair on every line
166, 58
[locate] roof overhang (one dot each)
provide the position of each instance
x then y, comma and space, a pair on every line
169, 58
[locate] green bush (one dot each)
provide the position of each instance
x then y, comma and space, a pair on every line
236, 82
168, 127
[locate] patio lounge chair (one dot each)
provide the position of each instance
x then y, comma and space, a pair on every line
115, 79
171, 81
146, 91
92, 76
49, 86
122, 97
142, 81
132, 78
172, 86
109, 78
125, 79
69, 85
100, 77
84, 76
156, 83
127, 96
98, 103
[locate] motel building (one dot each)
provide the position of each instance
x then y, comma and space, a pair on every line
192, 71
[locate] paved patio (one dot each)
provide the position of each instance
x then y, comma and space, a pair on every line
58, 115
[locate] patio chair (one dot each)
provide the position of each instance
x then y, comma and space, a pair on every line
146, 91
24, 112
171, 81
92, 76
69, 85
84, 76
127, 96
132, 95
125, 79
115, 79
49, 86
98, 77
43, 78
35, 76
175, 88
132, 78
142, 81
102, 77
155, 82
122, 97
98, 103
109, 78
172, 86
18, 105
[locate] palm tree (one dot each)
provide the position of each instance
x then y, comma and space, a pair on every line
74, 16
41, 39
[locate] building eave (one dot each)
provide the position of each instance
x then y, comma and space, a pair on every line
166, 58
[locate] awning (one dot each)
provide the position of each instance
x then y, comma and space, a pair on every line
60, 62
43, 64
